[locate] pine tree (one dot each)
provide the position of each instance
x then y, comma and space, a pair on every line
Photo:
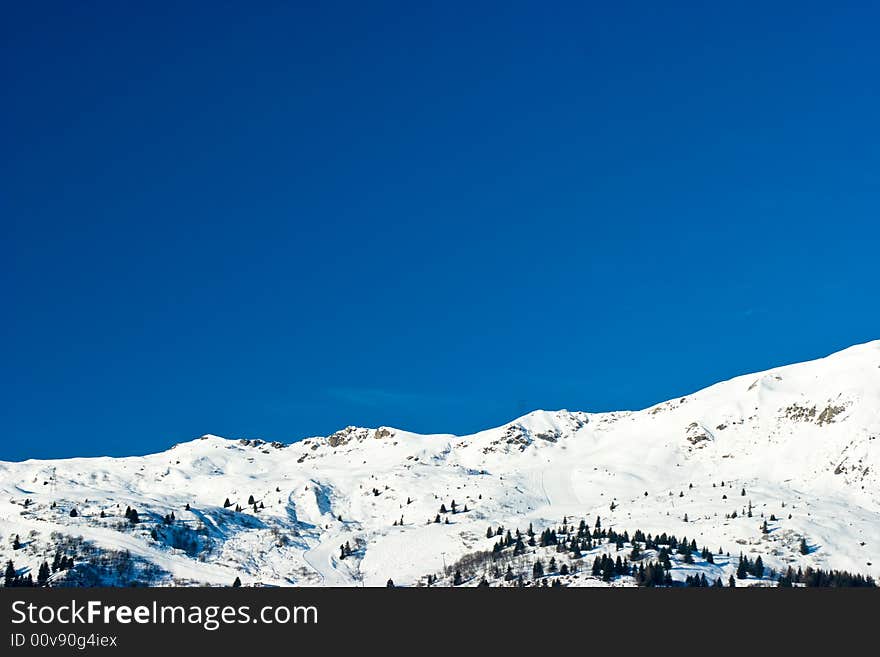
389, 584
9, 577
74, 513
805, 549
742, 569
537, 569
227, 503
16, 543
237, 583
250, 499
43, 574
456, 580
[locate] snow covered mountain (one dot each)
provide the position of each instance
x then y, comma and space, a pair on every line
796, 446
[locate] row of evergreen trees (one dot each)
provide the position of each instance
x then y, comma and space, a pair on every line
825, 578
747, 567
700, 581
453, 508
256, 506
580, 538
11, 578
567, 539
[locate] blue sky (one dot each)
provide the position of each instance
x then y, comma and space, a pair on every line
282, 220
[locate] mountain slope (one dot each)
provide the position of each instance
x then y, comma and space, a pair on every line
799, 441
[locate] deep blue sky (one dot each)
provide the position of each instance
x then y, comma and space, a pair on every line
270, 220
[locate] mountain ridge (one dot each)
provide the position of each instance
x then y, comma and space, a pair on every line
799, 441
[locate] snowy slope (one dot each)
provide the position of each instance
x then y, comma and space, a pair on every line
800, 440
